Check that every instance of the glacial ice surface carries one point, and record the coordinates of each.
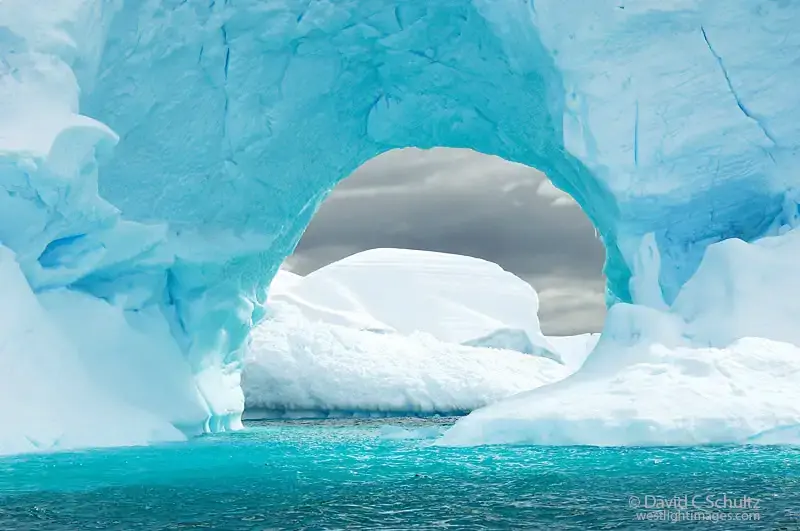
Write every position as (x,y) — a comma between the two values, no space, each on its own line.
(649,393)
(163,157)
(700,372)
(49,400)
(744,290)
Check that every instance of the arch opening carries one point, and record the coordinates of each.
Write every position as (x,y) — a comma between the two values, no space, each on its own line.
(414,284)
(466,203)
(236,154)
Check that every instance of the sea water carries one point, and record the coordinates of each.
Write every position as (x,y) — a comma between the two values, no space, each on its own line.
(389,474)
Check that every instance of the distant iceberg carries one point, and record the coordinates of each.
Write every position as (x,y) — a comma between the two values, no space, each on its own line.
(456,299)
(321,352)
(301,368)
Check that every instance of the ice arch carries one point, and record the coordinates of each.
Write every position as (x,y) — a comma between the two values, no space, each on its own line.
(674,125)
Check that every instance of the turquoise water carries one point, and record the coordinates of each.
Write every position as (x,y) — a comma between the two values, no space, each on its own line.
(364,475)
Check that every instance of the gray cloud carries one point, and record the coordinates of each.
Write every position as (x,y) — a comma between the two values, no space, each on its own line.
(462,202)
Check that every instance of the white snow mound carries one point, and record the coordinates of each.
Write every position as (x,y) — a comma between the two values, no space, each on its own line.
(296,367)
(454,298)
(644,385)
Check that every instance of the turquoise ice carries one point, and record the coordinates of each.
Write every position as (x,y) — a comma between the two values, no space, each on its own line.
(160,158)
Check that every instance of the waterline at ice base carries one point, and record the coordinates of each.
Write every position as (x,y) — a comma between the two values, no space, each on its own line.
(160,159)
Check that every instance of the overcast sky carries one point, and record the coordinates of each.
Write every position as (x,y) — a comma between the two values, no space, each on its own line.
(459,201)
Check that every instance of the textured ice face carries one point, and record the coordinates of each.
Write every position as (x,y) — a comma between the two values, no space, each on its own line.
(234,119)
(238,118)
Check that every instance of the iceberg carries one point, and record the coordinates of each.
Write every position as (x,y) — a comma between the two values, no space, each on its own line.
(700,372)
(298,368)
(573,350)
(282,282)
(160,159)
(653,392)
(744,290)
(382,333)
(456,299)
(50,401)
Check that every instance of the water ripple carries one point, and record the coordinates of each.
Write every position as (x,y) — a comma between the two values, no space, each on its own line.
(365,475)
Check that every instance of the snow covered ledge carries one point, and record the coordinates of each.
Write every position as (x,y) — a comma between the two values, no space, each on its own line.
(235,119)
(698,372)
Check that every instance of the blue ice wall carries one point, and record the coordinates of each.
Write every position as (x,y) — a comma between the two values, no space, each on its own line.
(235,118)
(661,120)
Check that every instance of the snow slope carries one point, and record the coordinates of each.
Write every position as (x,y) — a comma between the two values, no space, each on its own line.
(50,398)
(573,350)
(299,368)
(698,372)
(454,298)
(653,391)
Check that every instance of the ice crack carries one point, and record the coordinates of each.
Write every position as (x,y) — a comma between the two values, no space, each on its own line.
(739,103)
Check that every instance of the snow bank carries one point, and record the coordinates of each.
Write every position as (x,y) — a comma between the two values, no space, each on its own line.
(654,390)
(454,298)
(296,367)
(685,375)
